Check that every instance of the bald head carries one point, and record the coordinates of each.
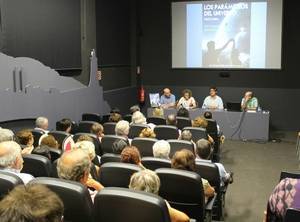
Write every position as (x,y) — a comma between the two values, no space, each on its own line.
(73,165)
(10,155)
(167,92)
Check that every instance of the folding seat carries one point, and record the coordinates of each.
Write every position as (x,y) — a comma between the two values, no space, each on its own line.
(60,136)
(75,197)
(107,142)
(128,118)
(55,154)
(109,128)
(144,145)
(37,165)
(96,141)
(153,163)
(136,129)
(156,120)
(36,136)
(285,174)
(177,145)
(91,117)
(183,122)
(110,157)
(292,215)
(164,132)
(105,118)
(197,133)
(7,182)
(85,126)
(117,174)
(184,192)
(119,205)
(212,130)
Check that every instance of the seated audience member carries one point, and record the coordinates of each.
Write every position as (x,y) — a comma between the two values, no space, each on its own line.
(41,123)
(208,115)
(134,108)
(167,100)
(131,154)
(115,110)
(122,129)
(6,135)
(171,120)
(118,146)
(42,150)
(34,203)
(203,153)
(285,195)
(75,166)
(186,135)
(115,117)
(161,149)
(89,148)
(84,137)
(213,101)
(98,130)
(65,125)
(187,100)
(147,133)
(49,141)
(202,123)
(25,139)
(138,118)
(158,112)
(11,160)
(183,112)
(148,181)
(249,102)
(185,160)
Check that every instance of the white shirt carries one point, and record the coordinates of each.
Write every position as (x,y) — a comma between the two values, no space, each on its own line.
(215,101)
(25,177)
(190,103)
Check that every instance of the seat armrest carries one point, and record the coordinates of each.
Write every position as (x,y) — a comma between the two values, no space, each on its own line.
(210,203)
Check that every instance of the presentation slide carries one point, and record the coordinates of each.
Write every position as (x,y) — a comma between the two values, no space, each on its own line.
(227,34)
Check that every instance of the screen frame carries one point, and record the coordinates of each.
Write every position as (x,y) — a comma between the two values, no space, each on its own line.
(226,69)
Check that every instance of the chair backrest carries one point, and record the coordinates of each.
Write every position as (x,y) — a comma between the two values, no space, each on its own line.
(128,118)
(60,136)
(109,128)
(153,163)
(156,120)
(144,145)
(164,132)
(110,157)
(107,142)
(36,136)
(75,196)
(119,205)
(177,145)
(91,117)
(96,141)
(136,129)
(37,165)
(183,190)
(85,126)
(197,133)
(55,154)
(183,122)
(292,215)
(285,174)
(117,174)
(7,182)
(211,128)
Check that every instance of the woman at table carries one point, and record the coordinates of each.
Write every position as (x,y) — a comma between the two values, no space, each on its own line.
(187,100)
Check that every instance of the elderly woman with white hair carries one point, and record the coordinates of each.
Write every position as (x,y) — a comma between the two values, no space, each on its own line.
(139,118)
(122,129)
(161,149)
(148,181)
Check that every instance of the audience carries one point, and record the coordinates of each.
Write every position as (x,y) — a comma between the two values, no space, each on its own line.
(183,112)
(202,123)
(161,149)
(6,135)
(167,100)
(42,124)
(203,152)
(171,120)
(187,100)
(84,137)
(50,141)
(122,129)
(148,181)
(186,135)
(147,133)
(185,160)
(42,150)
(134,108)
(208,115)
(115,117)
(65,125)
(115,110)
(138,118)
(33,203)
(25,139)
(158,112)
(118,146)
(131,154)
(98,130)
(285,195)
(11,160)
(75,166)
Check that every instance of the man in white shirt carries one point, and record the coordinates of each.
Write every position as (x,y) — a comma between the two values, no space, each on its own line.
(213,101)
(11,160)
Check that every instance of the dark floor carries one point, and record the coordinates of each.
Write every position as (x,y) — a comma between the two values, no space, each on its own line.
(256,168)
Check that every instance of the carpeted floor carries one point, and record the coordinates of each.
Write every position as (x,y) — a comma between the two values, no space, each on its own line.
(256,168)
